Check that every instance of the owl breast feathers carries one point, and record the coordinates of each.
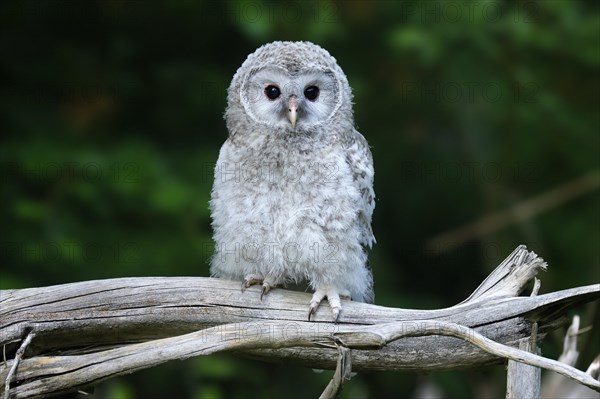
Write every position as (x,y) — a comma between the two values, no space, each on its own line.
(293,192)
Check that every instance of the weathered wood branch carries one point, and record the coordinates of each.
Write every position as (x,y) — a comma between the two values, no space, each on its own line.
(523,380)
(90,331)
(556,385)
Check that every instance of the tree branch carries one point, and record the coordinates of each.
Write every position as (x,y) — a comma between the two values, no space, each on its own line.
(125,325)
(15,363)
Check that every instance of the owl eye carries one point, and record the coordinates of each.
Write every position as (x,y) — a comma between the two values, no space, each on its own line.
(272,92)
(311,92)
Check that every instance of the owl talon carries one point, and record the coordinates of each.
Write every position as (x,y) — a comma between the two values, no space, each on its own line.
(336,314)
(333,298)
(266,287)
(312,310)
(251,280)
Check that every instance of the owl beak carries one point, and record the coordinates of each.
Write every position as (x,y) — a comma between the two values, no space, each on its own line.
(293,110)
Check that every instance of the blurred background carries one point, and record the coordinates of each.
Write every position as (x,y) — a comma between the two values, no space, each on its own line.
(483,119)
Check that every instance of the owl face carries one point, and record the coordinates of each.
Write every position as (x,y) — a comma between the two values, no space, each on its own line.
(301,99)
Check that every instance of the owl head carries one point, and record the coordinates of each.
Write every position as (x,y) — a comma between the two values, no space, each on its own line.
(289,87)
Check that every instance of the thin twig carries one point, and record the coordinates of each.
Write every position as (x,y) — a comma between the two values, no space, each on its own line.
(4,350)
(582,331)
(18,357)
(495,348)
(594,368)
(342,372)
(519,212)
(536,286)
(534,335)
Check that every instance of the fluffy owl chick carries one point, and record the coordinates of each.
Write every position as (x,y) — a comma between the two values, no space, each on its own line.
(293,192)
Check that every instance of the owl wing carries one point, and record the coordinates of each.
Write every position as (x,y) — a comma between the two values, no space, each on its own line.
(360,162)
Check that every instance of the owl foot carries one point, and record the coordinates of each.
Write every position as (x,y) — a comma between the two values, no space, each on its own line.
(266,287)
(333,297)
(252,279)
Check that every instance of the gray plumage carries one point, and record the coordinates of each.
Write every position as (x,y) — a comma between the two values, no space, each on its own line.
(293,192)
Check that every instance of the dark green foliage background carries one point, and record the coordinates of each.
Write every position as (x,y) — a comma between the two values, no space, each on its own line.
(112,122)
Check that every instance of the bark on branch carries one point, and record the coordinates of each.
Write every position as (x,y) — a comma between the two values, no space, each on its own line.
(90,331)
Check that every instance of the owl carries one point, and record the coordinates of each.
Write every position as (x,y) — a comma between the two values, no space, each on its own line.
(293,188)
